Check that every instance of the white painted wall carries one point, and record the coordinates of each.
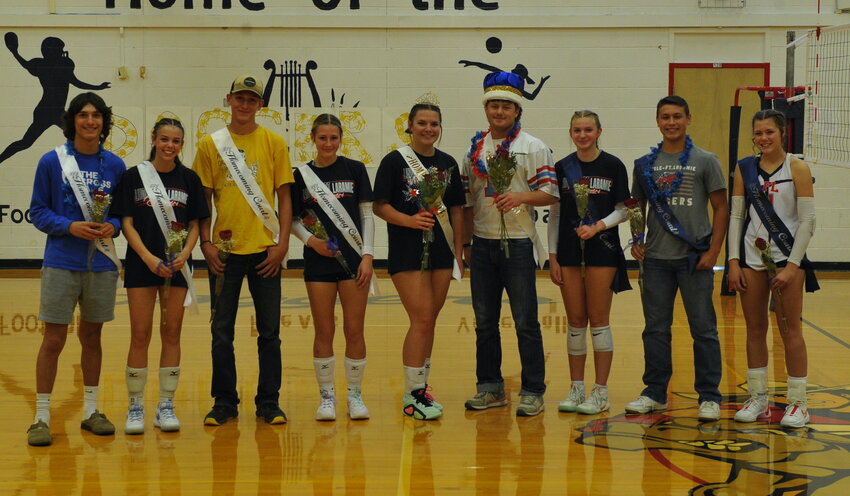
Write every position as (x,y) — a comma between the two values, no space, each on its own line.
(610,56)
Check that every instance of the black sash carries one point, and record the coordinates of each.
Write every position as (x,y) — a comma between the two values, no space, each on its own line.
(571,169)
(777,229)
(664,214)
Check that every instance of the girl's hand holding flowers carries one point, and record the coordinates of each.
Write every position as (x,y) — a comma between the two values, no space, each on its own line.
(423,220)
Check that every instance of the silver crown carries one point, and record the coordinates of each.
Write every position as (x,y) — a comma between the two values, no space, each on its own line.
(428,98)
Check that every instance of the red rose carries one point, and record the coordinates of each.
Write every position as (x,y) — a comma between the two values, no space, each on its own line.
(308,220)
(631,203)
(225,235)
(761,244)
(176,226)
(99,193)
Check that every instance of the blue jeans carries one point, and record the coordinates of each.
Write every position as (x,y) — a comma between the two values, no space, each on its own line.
(661,280)
(266,295)
(492,273)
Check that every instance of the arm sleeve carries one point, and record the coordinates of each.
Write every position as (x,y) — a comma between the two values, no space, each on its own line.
(736,225)
(368,224)
(553,227)
(806,213)
(617,216)
(300,231)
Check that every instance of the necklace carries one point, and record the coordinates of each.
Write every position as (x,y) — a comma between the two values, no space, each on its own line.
(97,182)
(649,171)
(474,155)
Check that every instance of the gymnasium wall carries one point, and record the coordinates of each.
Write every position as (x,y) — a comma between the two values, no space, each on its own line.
(368,60)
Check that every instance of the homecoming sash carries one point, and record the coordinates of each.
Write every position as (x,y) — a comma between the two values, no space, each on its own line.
(665,217)
(419,171)
(523,218)
(245,181)
(71,171)
(777,229)
(572,171)
(164,213)
(329,204)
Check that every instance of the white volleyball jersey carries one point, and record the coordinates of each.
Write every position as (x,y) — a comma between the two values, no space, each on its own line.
(780,190)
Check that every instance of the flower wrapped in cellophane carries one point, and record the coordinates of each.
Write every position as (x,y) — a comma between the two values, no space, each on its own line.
(177,235)
(314,225)
(225,246)
(431,189)
(636,225)
(100,205)
(501,168)
(581,193)
(770,267)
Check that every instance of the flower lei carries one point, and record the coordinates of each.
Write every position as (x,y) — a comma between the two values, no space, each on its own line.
(97,184)
(474,155)
(648,170)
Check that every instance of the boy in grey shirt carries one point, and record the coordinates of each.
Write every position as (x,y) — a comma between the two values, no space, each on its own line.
(676,181)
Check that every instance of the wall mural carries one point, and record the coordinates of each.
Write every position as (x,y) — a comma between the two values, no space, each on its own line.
(494,46)
(55,73)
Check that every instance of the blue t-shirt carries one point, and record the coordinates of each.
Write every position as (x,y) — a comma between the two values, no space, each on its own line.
(54,207)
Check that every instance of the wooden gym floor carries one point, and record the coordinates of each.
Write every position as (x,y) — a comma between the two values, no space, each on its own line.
(491,452)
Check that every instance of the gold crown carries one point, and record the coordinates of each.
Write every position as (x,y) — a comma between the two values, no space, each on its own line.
(428,99)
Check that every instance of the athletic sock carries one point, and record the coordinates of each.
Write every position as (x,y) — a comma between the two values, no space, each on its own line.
(354,369)
(136,380)
(324,368)
(168,379)
(89,400)
(414,378)
(42,408)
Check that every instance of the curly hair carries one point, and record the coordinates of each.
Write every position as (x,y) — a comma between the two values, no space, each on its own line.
(74,108)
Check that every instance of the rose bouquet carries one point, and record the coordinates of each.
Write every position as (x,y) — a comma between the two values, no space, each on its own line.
(501,168)
(177,235)
(636,226)
(225,246)
(581,192)
(314,225)
(431,189)
(770,267)
(100,205)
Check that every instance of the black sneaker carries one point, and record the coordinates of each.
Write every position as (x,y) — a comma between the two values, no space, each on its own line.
(271,413)
(220,414)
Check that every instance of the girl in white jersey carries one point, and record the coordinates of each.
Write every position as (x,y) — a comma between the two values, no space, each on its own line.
(786,183)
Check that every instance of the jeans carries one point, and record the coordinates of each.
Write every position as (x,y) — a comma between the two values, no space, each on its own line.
(661,280)
(266,295)
(492,273)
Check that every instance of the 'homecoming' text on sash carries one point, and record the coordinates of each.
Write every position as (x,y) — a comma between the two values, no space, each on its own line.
(245,181)
(164,212)
(419,170)
(71,171)
(332,207)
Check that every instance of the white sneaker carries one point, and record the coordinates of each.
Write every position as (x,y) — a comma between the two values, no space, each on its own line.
(573,400)
(356,408)
(595,403)
(757,407)
(644,404)
(135,419)
(327,409)
(796,415)
(165,418)
(709,411)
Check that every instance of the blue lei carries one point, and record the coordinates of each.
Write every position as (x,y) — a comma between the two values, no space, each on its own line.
(474,154)
(649,171)
(70,199)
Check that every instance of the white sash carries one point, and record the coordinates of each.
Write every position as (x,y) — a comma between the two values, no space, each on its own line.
(245,181)
(164,212)
(329,204)
(71,170)
(523,219)
(442,212)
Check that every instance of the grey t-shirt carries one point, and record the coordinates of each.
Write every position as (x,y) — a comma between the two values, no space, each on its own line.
(689,203)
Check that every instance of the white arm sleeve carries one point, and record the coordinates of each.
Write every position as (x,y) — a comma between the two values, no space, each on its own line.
(368,225)
(553,226)
(806,214)
(618,216)
(736,225)
(301,232)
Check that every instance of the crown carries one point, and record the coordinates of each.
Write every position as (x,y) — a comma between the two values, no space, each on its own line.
(428,99)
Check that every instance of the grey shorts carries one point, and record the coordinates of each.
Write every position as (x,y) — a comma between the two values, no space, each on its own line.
(62,289)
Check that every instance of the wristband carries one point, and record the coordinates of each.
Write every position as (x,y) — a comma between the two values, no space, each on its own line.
(205,241)
(467,245)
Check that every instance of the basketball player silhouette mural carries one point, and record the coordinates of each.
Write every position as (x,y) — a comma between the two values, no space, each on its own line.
(55,73)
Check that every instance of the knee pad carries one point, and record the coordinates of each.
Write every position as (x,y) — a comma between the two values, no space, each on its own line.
(602,338)
(576,341)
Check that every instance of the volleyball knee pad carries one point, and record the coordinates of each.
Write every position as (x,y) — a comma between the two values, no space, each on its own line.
(577,341)
(602,338)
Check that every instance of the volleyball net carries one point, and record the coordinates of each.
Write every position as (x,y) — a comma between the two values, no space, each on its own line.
(827,95)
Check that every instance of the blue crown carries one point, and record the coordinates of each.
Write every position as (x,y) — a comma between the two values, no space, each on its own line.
(503,79)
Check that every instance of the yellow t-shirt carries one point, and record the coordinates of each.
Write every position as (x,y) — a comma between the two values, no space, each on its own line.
(267,157)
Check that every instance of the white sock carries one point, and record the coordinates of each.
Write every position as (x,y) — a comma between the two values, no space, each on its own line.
(414,378)
(89,400)
(797,389)
(427,369)
(168,379)
(42,408)
(354,370)
(757,380)
(603,390)
(324,368)
(136,380)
